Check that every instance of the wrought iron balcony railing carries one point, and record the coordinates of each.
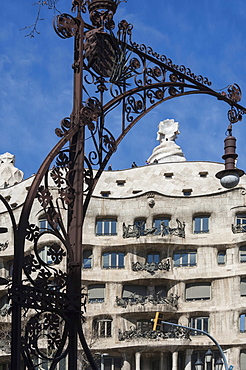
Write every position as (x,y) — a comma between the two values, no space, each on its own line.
(133,334)
(151,267)
(240,228)
(135,299)
(5,310)
(137,230)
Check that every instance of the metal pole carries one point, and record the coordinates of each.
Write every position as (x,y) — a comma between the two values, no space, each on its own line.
(75,227)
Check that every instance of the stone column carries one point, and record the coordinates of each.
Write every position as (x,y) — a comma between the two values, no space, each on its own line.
(126,363)
(137,360)
(188,359)
(162,361)
(175,356)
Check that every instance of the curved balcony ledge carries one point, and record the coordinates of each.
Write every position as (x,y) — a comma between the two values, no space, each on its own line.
(135,231)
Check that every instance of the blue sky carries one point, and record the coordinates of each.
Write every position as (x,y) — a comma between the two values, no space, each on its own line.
(36,77)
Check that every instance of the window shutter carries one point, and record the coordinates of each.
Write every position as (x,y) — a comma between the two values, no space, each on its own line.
(243,287)
(106,260)
(198,291)
(243,360)
(96,291)
(129,290)
(161,291)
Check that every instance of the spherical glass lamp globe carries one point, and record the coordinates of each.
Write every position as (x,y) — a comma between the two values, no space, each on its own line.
(229,178)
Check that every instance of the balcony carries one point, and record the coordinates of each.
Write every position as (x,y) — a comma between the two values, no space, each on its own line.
(151,267)
(137,230)
(135,299)
(239,228)
(134,334)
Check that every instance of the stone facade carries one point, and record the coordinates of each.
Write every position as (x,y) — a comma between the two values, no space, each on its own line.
(159,238)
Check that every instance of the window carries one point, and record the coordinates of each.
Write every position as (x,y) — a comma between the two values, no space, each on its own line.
(243,287)
(105,194)
(184,258)
(144,325)
(221,257)
(161,291)
(187,192)
(87,259)
(111,363)
(203,174)
(242,322)
(113,260)
(44,255)
(241,222)
(140,224)
(134,292)
(242,253)
(106,226)
(96,293)
(196,291)
(120,182)
(168,175)
(243,360)
(10,268)
(102,328)
(5,366)
(162,225)
(200,323)
(42,364)
(44,224)
(155,364)
(153,258)
(201,224)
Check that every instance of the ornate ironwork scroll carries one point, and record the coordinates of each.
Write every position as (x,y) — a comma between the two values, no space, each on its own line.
(4,246)
(134,334)
(151,267)
(137,230)
(240,228)
(135,299)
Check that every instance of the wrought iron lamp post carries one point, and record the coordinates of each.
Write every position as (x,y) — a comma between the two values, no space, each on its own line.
(110,72)
(208,359)
(199,365)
